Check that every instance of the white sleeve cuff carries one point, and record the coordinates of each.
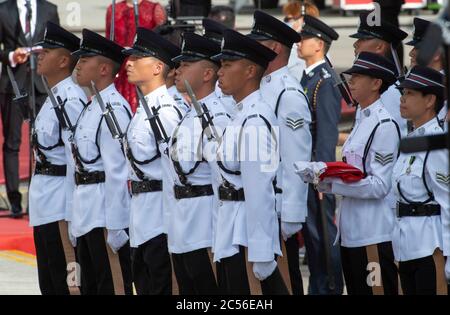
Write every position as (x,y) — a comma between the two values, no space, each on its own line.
(12,64)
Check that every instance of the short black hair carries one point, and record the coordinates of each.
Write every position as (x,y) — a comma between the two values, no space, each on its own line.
(440,100)
(384,87)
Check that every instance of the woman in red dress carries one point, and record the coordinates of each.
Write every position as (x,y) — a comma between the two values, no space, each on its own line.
(151,14)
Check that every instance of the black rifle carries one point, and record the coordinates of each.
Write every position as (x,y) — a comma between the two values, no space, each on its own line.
(153,119)
(58,105)
(108,114)
(203,114)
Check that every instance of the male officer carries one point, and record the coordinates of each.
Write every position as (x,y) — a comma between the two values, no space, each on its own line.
(383,40)
(101,199)
(436,63)
(191,224)
(148,65)
(290,105)
(247,226)
(52,185)
(214,31)
(325,102)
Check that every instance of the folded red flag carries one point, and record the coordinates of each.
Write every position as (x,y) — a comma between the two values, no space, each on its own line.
(348,173)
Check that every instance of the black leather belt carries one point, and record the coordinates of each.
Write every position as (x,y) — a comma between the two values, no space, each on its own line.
(87,178)
(189,191)
(50,169)
(145,186)
(231,194)
(411,210)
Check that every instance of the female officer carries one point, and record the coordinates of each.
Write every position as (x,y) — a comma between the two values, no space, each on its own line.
(421,235)
(365,219)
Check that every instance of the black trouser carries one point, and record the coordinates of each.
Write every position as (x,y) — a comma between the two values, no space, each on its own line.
(232,274)
(102,271)
(152,270)
(424,276)
(292,251)
(382,270)
(55,256)
(315,245)
(194,273)
(233,278)
(12,119)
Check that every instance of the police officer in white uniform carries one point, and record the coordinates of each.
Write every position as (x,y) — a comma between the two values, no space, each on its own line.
(379,39)
(365,219)
(213,30)
(436,62)
(421,180)
(52,184)
(147,67)
(191,222)
(101,199)
(290,105)
(247,226)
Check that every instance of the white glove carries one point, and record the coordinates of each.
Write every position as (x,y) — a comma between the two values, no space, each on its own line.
(290,228)
(72,238)
(263,270)
(116,239)
(309,172)
(324,187)
(447,269)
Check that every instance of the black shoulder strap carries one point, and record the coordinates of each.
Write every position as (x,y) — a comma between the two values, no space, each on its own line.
(429,192)
(370,140)
(290,89)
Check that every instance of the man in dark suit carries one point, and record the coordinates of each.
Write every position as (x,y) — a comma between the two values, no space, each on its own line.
(15,35)
(323,258)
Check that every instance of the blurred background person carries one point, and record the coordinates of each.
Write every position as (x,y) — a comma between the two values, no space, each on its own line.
(294,11)
(151,14)
(224,15)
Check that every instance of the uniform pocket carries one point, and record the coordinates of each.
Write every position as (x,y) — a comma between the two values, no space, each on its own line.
(86,143)
(354,155)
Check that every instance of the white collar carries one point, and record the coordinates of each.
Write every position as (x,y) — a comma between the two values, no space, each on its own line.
(152,97)
(313,66)
(369,110)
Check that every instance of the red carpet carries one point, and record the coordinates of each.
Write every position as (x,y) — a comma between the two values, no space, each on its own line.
(23,155)
(16,235)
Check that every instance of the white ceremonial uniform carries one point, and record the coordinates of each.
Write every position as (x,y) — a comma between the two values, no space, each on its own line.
(50,197)
(180,102)
(418,237)
(391,102)
(227,101)
(104,205)
(251,223)
(146,209)
(365,216)
(290,105)
(191,222)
